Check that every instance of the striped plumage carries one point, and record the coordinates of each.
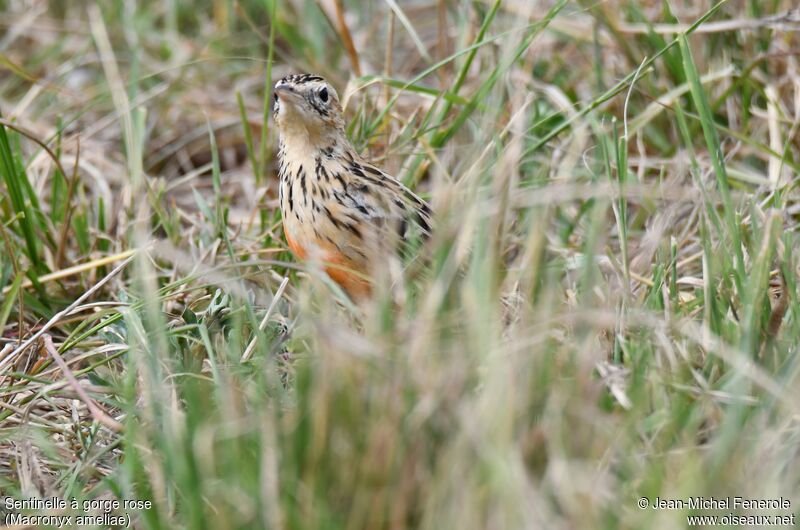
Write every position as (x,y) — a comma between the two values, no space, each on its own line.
(336,208)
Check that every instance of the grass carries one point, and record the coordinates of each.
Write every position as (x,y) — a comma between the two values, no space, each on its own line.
(607,310)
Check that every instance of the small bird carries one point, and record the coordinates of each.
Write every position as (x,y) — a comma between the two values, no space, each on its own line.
(337,209)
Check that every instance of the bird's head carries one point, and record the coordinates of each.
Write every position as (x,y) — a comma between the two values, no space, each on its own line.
(305,104)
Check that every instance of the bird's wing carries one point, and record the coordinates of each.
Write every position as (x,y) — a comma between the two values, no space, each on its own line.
(365,213)
(407,206)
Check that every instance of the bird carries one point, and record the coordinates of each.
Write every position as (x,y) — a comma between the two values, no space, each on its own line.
(337,209)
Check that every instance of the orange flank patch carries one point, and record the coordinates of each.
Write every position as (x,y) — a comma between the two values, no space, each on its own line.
(341,270)
(297,250)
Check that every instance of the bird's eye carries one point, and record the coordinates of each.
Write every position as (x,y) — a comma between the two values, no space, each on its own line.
(323,95)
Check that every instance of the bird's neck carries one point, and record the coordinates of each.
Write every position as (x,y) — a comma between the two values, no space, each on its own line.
(300,145)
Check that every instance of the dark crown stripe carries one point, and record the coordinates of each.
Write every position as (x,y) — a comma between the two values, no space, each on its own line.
(299,79)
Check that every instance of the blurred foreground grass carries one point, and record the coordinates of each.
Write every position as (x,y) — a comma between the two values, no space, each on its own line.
(608,309)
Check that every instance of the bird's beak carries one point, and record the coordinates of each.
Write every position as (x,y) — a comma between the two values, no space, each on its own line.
(285,92)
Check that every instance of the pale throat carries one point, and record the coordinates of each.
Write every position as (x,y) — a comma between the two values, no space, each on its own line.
(301,144)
